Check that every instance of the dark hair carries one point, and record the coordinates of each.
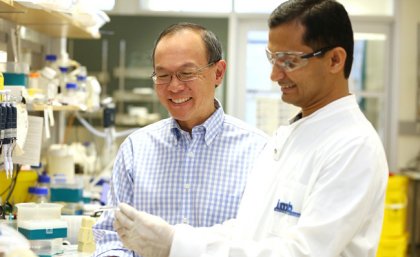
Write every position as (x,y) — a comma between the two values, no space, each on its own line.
(326,23)
(212,44)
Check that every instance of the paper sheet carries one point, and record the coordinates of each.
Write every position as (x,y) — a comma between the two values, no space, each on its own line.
(32,146)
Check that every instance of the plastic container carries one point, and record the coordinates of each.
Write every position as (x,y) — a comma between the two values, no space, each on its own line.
(43,229)
(38,194)
(49,247)
(71,96)
(392,246)
(24,180)
(51,61)
(38,211)
(34,80)
(15,73)
(395,214)
(60,160)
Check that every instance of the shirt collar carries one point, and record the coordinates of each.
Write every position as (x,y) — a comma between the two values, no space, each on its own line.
(211,127)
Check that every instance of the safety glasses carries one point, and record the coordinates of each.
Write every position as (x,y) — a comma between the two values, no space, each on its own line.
(290,61)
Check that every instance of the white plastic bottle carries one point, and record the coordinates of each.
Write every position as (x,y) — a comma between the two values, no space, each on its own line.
(82,86)
(51,61)
(48,82)
(70,95)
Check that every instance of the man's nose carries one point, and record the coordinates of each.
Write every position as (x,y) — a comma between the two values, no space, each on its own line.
(175,84)
(277,73)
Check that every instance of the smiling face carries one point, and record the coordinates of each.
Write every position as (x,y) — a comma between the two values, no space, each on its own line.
(317,83)
(192,102)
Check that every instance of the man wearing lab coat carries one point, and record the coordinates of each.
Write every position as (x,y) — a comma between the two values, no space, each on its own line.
(318,189)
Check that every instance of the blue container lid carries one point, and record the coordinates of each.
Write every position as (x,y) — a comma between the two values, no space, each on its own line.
(63,69)
(81,78)
(51,57)
(44,178)
(71,85)
(38,190)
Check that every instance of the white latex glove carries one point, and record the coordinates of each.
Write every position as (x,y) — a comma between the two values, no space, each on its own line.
(147,235)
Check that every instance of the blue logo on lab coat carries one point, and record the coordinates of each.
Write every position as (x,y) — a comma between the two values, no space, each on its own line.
(286,208)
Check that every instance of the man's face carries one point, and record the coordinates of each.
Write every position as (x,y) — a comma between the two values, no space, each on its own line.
(308,86)
(192,102)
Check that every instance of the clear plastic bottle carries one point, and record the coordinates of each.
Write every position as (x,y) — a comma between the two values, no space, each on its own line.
(38,194)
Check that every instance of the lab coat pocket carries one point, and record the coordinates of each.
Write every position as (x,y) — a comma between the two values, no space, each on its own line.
(287,206)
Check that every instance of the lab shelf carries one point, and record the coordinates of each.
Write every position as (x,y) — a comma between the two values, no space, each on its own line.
(134,73)
(133,96)
(42,107)
(52,23)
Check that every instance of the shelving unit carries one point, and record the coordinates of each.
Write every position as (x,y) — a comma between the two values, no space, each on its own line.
(148,97)
(42,107)
(51,23)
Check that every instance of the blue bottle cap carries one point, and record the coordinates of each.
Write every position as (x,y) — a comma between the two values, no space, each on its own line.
(44,178)
(64,69)
(51,57)
(38,190)
(81,78)
(71,85)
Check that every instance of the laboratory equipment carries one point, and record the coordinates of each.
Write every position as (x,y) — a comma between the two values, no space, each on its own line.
(38,194)
(42,225)
(86,241)
(60,160)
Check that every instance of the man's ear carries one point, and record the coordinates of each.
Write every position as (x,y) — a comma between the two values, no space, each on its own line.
(220,70)
(337,59)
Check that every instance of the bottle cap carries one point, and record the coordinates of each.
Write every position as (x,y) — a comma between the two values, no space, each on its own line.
(38,190)
(81,78)
(71,85)
(51,57)
(44,178)
(63,69)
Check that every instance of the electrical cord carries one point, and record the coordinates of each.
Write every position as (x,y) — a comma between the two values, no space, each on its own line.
(13,183)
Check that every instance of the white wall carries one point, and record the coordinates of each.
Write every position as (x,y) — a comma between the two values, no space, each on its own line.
(408,18)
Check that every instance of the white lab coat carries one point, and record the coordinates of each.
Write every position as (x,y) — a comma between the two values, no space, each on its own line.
(318,190)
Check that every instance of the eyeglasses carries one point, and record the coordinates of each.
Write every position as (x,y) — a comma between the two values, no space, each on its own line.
(290,61)
(186,75)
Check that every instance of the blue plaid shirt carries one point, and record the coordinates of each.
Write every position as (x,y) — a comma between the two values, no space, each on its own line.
(196,179)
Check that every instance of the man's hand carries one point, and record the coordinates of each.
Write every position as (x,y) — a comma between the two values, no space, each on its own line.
(147,235)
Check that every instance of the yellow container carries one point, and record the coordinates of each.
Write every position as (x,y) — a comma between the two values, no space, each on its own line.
(395,215)
(392,246)
(25,179)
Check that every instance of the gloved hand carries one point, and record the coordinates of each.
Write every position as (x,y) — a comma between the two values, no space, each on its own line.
(147,235)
